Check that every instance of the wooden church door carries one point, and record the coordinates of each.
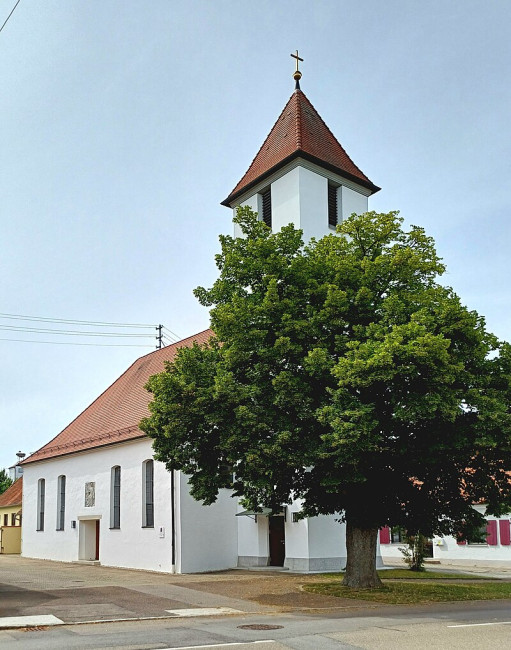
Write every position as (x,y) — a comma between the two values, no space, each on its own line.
(277,541)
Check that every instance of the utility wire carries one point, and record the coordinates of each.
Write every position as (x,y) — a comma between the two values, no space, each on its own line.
(72,321)
(12,328)
(97,345)
(5,23)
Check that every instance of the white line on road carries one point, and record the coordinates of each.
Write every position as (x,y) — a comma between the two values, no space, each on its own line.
(204,611)
(219,645)
(481,624)
(29,621)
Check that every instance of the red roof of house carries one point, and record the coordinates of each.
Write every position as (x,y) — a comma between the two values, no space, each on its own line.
(114,416)
(299,132)
(12,496)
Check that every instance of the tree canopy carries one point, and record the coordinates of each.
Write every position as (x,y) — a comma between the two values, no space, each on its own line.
(5,481)
(344,374)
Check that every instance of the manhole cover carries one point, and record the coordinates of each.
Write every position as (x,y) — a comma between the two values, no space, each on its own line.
(260,627)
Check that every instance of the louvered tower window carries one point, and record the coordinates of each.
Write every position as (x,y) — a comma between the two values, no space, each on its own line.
(266,203)
(332,205)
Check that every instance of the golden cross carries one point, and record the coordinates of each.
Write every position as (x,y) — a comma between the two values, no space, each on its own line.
(295,56)
(297,74)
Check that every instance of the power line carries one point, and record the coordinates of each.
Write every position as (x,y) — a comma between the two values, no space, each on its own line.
(97,345)
(40,330)
(72,321)
(5,23)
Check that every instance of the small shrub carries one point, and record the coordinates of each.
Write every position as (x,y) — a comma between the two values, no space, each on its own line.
(416,551)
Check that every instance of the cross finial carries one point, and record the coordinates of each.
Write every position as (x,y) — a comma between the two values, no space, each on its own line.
(297,74)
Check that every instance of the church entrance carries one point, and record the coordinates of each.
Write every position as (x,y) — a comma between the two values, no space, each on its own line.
(88,545)
(277,540)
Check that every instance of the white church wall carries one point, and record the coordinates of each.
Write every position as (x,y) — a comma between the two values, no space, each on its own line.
(254,202)
(352,201)
(313,204)
(208,535)
(285,200)
(297,539)
(327,544)
(253,540)
(129,546)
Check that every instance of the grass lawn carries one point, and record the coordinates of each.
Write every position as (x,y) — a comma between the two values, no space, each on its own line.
(406,574)
(425,587)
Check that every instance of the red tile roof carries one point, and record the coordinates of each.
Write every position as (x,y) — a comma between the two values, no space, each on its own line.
(12,496)
(114,416)
(299,132)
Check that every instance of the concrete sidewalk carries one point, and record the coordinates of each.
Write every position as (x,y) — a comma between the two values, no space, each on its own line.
(77,593)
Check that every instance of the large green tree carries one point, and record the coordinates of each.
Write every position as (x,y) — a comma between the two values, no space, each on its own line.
(344,374)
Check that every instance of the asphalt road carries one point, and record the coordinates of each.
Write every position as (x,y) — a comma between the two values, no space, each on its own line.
(106,608)
(480,625)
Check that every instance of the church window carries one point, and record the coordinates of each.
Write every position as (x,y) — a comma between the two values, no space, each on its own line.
(13,519)
(332,205)
(266,206)
(115,497)
(6,519)
(61,502)
(40,503)
(148,494)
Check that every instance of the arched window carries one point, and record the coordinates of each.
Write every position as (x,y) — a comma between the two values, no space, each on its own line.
(148,494)
(40,503)
(61,502)
(115,497)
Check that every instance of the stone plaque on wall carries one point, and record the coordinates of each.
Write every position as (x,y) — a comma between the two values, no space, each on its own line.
(90,494)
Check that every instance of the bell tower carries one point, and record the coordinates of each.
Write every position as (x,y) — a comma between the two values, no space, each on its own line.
(301,174)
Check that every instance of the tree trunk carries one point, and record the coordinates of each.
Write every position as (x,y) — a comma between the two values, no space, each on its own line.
(361,558)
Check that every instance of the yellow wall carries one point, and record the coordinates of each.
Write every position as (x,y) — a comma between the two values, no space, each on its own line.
(10,536)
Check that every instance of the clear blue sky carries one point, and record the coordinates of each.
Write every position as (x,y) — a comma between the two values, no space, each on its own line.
(125,123)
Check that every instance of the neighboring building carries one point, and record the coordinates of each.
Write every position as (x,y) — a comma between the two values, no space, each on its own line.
(10,518)
(95,494)
(493,544)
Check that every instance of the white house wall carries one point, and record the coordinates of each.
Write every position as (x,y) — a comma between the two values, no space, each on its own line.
(447,548)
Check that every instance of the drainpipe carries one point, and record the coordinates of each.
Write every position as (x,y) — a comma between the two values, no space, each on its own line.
(173,522)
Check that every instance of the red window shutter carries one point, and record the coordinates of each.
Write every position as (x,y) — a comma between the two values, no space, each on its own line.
(385,535)
(491,532)
(505,536)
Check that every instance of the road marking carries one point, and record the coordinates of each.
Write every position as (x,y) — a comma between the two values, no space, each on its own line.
(29,621)
(481,624)
(219,645)
(204,611)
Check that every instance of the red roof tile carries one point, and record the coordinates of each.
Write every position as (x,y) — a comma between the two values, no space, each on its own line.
(12,496)
(114,416)
(299,132)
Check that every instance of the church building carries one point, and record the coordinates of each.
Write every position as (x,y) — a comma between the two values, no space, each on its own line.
(94,492)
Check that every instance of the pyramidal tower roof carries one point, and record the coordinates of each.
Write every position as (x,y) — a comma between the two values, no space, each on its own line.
(299,132)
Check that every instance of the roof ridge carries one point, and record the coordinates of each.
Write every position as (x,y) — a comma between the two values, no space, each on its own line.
(298,120)
(333,136)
